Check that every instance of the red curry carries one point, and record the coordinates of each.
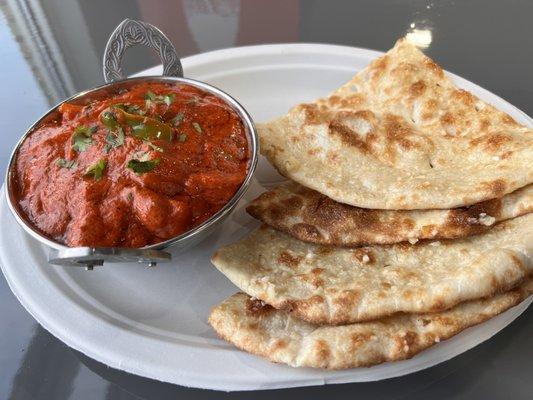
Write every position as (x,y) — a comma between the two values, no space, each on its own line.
(134,169)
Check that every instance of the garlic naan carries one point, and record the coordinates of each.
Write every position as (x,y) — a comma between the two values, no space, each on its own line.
(312,217)
(276,335)
(401,135)
(326,285)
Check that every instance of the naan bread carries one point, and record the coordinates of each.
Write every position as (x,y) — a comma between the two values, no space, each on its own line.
(312,217)
(276,335)
(400,135)
(326,285)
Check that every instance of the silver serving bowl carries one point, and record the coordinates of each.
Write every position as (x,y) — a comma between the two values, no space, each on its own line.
(127,34)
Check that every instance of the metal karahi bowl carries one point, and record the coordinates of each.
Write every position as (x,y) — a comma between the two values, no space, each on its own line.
(127,34)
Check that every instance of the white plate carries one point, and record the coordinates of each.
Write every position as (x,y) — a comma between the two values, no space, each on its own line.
(152,322)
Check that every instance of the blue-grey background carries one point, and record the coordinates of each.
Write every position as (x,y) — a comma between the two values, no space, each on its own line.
(50,49)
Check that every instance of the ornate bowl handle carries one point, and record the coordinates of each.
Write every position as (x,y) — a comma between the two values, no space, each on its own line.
(130,33)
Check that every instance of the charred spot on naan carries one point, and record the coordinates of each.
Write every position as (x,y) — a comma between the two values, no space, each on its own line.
(379,66)
(494,189)
(438,304)
(429,109)
(342,305)
(405,344)
(507,119)
(398,131)
(257,307)
(450,124)
(321,353)
(516,260)
(464,97)
(484,124)
(278,345)
(444,320)
(339,220)
(471,220)
(313,114)
(356,101)
(274,213)
(370,76)
(323,211)
(306,232)
(289,206)
(302,307)
(324,250)
(403,72)
(492,142)
(313,277)
(289,259)
(433,67)
(354,128)
(358,340)
(417,89)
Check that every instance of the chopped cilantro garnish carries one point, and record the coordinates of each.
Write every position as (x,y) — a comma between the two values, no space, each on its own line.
(82,137)
(64,163)
(96,170)
(177,119)
(114,140)
(151,97)
(109,120)
(182,137)
(140,167)
(169,99)
(130,108)
(197,127)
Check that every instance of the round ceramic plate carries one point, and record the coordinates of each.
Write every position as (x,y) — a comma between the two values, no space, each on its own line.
(153,322)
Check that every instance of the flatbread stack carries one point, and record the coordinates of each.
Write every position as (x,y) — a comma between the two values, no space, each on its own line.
(407,219)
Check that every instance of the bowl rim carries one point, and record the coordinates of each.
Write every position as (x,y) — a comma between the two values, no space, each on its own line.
(251,136)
